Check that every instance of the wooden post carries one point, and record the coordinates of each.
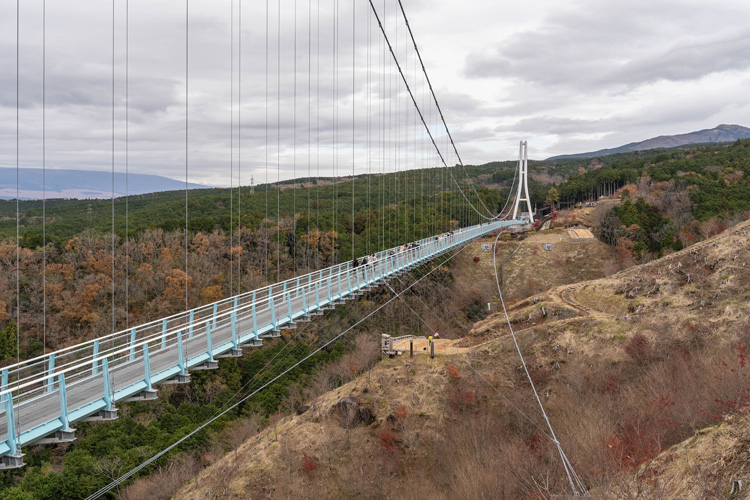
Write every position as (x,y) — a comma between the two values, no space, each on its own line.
(432,349)
(411,348)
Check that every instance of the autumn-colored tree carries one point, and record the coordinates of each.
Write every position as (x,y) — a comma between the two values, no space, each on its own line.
(174,292)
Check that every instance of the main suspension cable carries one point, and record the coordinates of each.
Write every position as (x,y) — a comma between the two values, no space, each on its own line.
(434,97)
(419,111)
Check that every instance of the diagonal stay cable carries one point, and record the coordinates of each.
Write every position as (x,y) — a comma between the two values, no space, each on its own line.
(577,485)
(511,403)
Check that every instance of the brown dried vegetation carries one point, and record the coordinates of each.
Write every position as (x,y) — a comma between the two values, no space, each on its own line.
(633,385)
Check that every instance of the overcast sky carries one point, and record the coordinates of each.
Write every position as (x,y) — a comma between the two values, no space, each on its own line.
(568,77)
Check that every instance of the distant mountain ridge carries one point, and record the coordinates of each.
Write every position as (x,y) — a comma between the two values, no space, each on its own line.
(721,133)
(81,184)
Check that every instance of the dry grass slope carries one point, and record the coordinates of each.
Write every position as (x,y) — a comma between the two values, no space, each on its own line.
(643,373)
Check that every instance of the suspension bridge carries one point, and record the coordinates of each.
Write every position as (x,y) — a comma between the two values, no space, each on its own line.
(402,128)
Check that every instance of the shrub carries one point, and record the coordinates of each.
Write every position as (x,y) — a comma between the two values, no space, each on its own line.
(400,412)
(638,348)
(308,463)
(387,438)
(476,259)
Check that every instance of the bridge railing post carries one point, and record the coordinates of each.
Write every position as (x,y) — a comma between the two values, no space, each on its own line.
(132,344)
(180,354)
(273,313)
(10,425)
(63,402)
(50,371)
(107,389)
(164,334)
(146,368)
(234,329)
(209,342)
(4,384)
(255,321)
(95,363)
(192,320)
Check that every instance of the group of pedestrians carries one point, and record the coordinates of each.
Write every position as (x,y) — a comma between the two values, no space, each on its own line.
(371,259)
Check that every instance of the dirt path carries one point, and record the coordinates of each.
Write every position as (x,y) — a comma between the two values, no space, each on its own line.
(569,295)
(422,346)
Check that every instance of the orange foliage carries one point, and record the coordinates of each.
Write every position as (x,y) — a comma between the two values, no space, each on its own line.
(201,244)
(63,270)
(210,294)
(174,292)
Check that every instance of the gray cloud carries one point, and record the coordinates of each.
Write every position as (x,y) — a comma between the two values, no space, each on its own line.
(586,74)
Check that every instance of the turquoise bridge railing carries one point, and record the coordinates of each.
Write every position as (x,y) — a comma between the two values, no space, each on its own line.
(42,397)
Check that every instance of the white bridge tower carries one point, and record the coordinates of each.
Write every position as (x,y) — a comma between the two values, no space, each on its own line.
(523,184)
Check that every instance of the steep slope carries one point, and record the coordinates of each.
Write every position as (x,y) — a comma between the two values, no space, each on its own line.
(627,366)
(721,133)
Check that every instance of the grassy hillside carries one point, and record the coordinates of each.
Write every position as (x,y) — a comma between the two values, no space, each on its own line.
(627,366)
